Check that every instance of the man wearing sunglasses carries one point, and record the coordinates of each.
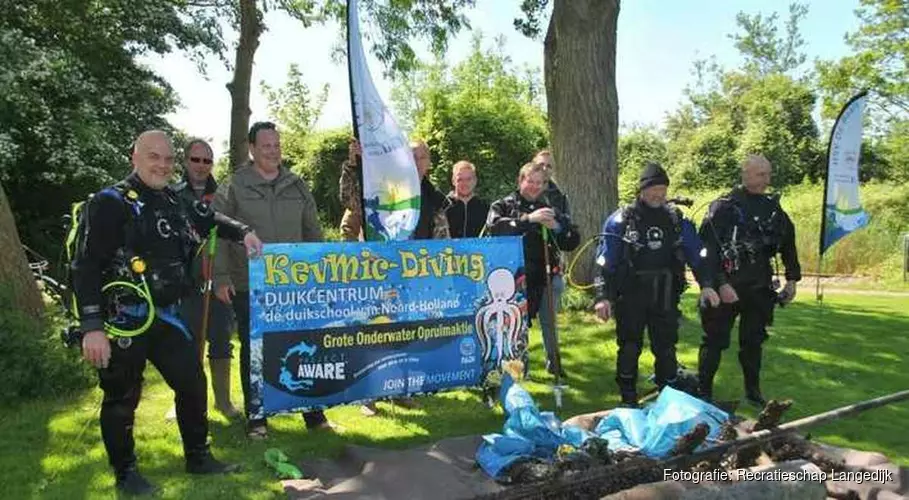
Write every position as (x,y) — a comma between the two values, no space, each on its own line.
(199,185)
(199,164)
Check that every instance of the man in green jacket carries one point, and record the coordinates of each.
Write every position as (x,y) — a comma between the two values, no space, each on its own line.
(278,205)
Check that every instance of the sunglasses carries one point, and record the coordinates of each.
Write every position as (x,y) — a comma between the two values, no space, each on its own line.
(196,159)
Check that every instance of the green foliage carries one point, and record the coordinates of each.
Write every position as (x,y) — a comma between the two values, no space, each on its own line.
(483,110)
(73,97)
(36,363)
(879,63)
(703,157)
(637,147)
(389,26)
(893,150)
(399,21)
(331,232)
(221,170)
(759,108)
(531,24)
(320,165)
(295,109)
(574,299)
(764,50)
(765,107)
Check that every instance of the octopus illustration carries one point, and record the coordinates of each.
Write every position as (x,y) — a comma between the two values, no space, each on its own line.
(499,321)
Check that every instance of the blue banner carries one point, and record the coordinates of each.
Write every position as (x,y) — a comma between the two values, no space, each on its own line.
(338,323)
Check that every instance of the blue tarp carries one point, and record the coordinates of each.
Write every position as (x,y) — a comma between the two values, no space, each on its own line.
(653,430)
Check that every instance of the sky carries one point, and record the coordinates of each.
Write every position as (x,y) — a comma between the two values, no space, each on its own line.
(658,42)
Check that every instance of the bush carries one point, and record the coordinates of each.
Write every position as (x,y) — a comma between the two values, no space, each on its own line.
(36,363)
(331,233)
(483,110)
(321,167)
(872,251)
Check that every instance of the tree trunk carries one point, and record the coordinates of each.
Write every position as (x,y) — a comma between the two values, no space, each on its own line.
(583,106)
(14,271)
(239,87)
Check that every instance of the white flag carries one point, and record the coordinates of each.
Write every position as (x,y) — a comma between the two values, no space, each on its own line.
(843,212)
(391,184)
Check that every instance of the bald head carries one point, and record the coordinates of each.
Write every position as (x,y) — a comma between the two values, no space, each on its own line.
(153,158)
(756,173)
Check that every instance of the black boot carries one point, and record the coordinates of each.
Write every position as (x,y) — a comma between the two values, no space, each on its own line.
(130,482)
(708,364)
(317,420)
(203,462)
(705,387)
(629,400)
(755,398)
(751,372)
(628,390)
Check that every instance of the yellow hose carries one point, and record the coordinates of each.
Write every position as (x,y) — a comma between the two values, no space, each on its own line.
(574,261)
(143,293)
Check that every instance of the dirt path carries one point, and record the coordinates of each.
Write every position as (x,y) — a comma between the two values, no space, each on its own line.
(840,285)
(853,291)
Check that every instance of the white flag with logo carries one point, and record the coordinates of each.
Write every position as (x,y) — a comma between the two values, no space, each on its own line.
(843,211)
(391,184)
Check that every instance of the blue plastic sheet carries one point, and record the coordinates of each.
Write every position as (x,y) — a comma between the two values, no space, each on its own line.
(654,430)
(529,433)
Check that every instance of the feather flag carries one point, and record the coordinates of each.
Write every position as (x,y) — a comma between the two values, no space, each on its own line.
(843,212)
(390,183)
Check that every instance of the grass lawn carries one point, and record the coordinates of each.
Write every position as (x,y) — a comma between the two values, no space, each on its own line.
(854,348)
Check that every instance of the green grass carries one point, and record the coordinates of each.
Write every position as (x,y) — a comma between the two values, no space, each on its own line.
(852,349)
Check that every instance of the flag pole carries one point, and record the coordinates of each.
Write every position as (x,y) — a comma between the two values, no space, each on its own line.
(822,237)
(358,168)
